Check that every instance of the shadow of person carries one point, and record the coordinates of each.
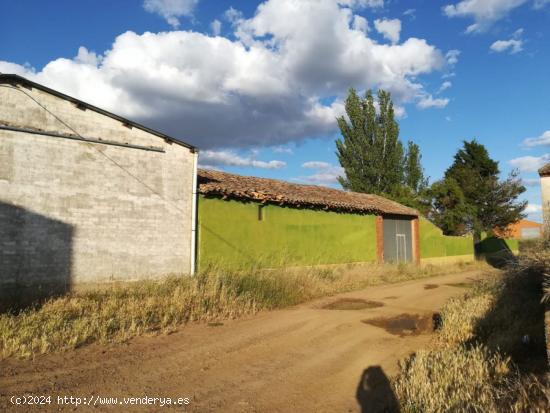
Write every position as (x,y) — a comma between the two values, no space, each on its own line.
(374,393)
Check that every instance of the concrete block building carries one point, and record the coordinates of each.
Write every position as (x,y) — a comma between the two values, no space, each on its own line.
(87,196)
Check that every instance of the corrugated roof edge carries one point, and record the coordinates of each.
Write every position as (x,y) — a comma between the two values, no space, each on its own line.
(16,79)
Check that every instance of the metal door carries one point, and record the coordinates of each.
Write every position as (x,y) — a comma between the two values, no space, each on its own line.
(401,247)
(397,240)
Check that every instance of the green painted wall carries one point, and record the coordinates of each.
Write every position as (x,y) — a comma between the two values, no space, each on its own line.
(490,245)
(232,236)
(434,244)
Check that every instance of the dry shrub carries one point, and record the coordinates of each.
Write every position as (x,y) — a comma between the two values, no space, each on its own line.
(460,379)
(118,313)
(452,380)
(460,316)
(490,341)
(530,393)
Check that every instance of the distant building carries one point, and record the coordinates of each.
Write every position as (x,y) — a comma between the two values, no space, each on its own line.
(523,229)
(544,174)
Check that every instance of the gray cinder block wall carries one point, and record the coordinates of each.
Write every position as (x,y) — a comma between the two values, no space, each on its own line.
(74,212)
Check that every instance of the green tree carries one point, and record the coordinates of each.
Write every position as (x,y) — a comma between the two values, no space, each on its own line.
(372,154)
(447,207)
(489,202)
(414,172)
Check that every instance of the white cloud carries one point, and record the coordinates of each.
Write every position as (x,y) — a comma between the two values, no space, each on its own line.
(14,68)
(230,158)
(282,149)
(533,209)
(233,15)
(452,57)
(429,101)
(542,140)
(411,13)
(171,10)
(362,3)
(263,86)
(512,45)
(360,23)
(87,58)
(484,12)
(390,29)
(216,27)
(444,86)
(326,174)
(518,33)
(530,163)
(399,111)
(316,165)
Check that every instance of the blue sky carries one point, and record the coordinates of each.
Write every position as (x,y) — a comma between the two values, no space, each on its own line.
(257,85)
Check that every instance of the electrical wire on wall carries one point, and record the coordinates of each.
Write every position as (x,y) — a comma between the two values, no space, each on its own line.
(137,179)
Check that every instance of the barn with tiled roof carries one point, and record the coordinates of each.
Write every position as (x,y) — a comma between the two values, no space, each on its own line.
(248,220)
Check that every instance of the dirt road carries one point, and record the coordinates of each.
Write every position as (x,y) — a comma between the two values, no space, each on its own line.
(309,358)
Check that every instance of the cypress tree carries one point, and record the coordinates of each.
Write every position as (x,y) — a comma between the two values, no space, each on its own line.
(473,181)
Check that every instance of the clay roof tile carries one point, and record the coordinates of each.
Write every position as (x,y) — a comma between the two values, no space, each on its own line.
(285,193)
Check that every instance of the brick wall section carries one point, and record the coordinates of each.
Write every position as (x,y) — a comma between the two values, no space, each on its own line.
(416,240)
(82,212)
(380,239)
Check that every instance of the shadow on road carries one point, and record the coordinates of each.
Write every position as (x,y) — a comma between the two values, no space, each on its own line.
(374,392)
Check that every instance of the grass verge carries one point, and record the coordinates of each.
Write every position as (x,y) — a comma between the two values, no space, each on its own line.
(489,354)
(119,313)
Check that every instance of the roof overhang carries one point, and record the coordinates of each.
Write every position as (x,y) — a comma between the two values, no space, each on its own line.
(14,80)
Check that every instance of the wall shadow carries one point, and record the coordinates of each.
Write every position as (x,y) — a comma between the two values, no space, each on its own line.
(374,392)
(35,257)
(495,251)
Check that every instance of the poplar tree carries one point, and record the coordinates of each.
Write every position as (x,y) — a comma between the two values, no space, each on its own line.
(414,173)
(372,154)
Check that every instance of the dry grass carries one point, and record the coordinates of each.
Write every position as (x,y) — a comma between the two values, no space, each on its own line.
(486,354)
(121,312)
(461,315)
(460,380)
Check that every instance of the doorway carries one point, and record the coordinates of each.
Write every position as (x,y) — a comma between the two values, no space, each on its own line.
(397,240)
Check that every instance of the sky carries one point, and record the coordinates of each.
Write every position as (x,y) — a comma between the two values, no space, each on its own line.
(257,85)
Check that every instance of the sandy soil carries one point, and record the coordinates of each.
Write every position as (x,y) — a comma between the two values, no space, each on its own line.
(310,358)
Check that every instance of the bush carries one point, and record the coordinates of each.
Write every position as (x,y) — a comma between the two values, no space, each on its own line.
(490,345)
(452,380)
